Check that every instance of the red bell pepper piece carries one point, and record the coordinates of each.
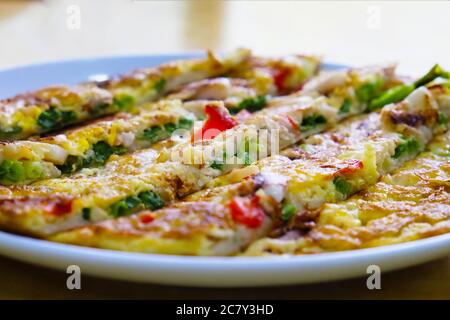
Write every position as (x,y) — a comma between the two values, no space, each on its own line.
(218,120)
(247,211)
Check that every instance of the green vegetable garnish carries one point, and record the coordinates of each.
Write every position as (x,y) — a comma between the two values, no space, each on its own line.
(151,200)
(73,163)
(154,134)
(145,199)
(217,165)
(345,107)
(369,90)
(170,128)
(124,102)
(342,186)
(184,123)
(101,151)
(313,121)
(442,118)
(160,85)
(250,104)
(98,108)
(158,133)
(390,96)
(53,118)
(288,211)
(400,92)
(33,170)
(408,147)
(86,214)
(12,171)
(48,119)
(435,72)
(10,132)
(125,207)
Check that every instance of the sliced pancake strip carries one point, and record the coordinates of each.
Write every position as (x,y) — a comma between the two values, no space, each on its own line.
(52,108)
(349,91)
(127,184)
(223,220)
(200,227)
(411,203)
(143,85)
(56,107)
(22,162)
(251,87)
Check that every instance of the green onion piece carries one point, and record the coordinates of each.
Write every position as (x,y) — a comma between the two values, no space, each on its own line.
(442,118)
(4,168)
(313,121)
(408,147)
(10,132)
(217,165)
(342,186)
(86,214)
(345,107)
(250,104)
(391,96)
(145,199)
(158,133)
(49,118)
(400,92)
(68,117)
(124,207)
(73,163)
(102,152)
(53,118)
(119,209)
(16,172)
(369,90)
(160,85)
(124,102)
(33,170)
(100,107)
(288,211)
(184,123)
(151,200)
(154,134)
(119,150)
(170,128)
(435,72)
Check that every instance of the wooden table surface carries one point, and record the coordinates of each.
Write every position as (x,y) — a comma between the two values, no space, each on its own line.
(413,33)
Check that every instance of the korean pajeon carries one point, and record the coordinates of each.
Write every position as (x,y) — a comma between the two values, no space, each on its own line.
(233,154)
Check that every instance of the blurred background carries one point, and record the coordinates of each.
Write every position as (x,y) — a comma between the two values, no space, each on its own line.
(414,33)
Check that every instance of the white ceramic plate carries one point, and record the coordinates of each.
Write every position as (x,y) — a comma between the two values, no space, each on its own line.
(190,271)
